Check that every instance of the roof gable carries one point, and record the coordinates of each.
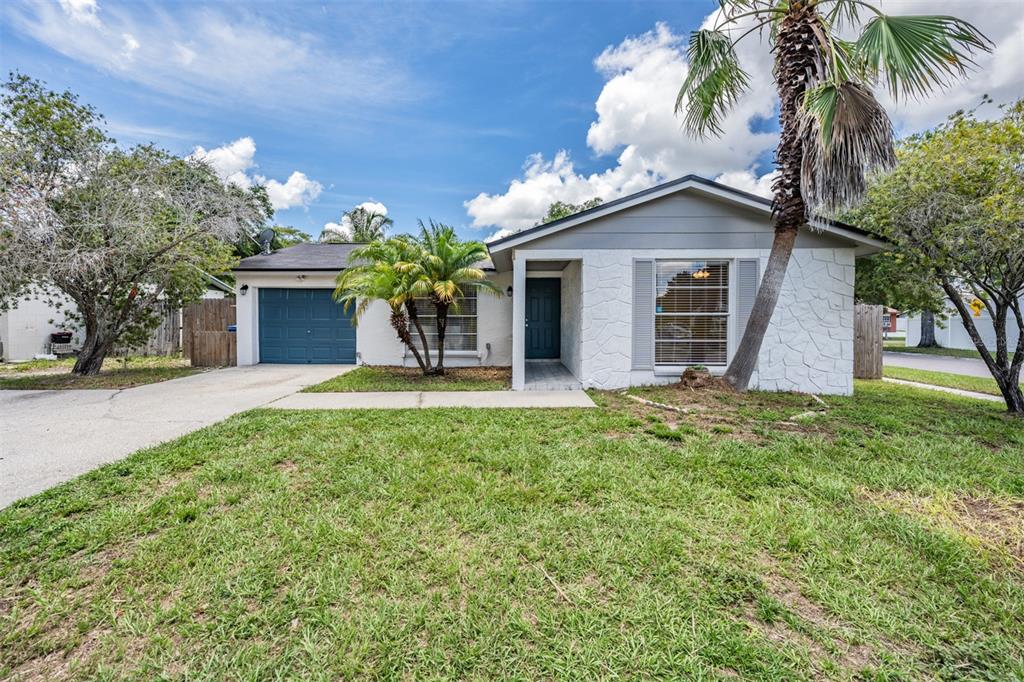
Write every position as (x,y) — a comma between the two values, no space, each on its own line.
(736,199)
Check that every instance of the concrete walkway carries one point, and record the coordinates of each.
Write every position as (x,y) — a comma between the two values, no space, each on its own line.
(945,389)
(970,367)
(48,437)
(416,399)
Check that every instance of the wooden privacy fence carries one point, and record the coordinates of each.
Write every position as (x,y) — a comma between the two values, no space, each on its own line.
(204,333)
(867,341)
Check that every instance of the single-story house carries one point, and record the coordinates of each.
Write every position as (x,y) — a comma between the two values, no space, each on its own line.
(628,293)
(950,331)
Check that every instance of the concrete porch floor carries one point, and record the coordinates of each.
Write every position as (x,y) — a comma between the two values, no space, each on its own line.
(550,375)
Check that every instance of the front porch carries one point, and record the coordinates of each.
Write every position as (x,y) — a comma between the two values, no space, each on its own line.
(550,375)
(546,321)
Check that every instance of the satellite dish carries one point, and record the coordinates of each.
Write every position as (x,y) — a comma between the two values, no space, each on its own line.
(265,239)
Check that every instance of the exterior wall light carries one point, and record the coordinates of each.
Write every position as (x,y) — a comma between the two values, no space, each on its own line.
(509,290)
(244,289)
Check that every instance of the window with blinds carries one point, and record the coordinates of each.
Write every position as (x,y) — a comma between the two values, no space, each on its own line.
(462,322)
(691,313)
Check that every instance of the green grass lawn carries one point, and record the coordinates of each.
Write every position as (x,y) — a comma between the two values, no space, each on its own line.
(897,345)
(411,379)
(116,373)
(924,376)
(882,536)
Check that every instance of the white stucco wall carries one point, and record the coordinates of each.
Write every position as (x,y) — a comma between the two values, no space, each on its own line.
(376,343)
(25,330)
(808,346)
(572,317)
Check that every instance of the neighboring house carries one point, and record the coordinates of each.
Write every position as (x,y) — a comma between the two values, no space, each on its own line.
(25,330)
(951,333)
(894,322)
(627,293)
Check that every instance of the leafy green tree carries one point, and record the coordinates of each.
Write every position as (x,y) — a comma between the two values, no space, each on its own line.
(954,207)
(892,280)
(562,209)
(832,128)
(121,232)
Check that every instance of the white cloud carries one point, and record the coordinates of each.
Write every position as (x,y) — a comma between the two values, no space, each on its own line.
(129,45)
(82,11)
(634,114)
(748,181)
(213,53)
(235,161)
(634,118)
(298,190)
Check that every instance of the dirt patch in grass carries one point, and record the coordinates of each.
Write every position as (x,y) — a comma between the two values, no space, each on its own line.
(676,411)
(995,524)
(805,624)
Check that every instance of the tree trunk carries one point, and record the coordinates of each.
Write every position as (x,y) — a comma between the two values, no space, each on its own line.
(743,363)
(400,323)
(1007,376)
(442,328)
(410,306)
(927,330)
(94,349)
(796,54)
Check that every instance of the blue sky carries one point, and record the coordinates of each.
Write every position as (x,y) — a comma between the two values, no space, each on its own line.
(476,114)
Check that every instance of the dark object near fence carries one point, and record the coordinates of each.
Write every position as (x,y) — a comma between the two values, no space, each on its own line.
(60,337)
(204,333)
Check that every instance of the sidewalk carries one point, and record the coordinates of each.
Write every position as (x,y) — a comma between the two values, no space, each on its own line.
(945,389)
(388,400)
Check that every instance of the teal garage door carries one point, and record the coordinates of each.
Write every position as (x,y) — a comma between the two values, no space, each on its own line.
(305,326)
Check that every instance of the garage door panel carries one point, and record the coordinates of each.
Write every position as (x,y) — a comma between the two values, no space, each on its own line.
(304,326)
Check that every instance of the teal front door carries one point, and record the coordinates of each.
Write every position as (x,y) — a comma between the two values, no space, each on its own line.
(543,317)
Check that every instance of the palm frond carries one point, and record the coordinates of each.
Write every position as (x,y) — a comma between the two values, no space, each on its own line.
(914,54)
(715,81)
(845,133)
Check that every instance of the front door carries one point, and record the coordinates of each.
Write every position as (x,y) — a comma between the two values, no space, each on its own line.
(543,317)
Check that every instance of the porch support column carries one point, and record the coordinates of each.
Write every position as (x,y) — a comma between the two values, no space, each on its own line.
(518,322)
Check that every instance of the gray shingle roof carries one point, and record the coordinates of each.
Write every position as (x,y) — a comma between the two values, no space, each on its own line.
(311,256)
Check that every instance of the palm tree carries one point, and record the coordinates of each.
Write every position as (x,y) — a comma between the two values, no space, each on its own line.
(364,225)
(375,275)
(445,266)
(833,130)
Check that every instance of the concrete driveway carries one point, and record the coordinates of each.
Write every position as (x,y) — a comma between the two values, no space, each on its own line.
(937,363)
(48,437)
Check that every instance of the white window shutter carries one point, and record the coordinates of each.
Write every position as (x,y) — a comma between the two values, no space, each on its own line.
(747,280)
(643,314)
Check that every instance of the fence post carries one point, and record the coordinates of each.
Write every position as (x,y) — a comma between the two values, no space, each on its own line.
(867,341)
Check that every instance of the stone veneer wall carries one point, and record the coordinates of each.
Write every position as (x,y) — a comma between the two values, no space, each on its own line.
(809,343)
(808,346)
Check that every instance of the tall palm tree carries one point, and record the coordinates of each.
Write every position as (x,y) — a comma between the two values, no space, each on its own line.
(365,226)
(833,130)
(374,274)
(445,267)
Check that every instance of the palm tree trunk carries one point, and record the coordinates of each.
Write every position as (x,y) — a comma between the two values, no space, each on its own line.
(927,330)
(795,64)
(410,306)
(400,323)
(745,360)
(442,328)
